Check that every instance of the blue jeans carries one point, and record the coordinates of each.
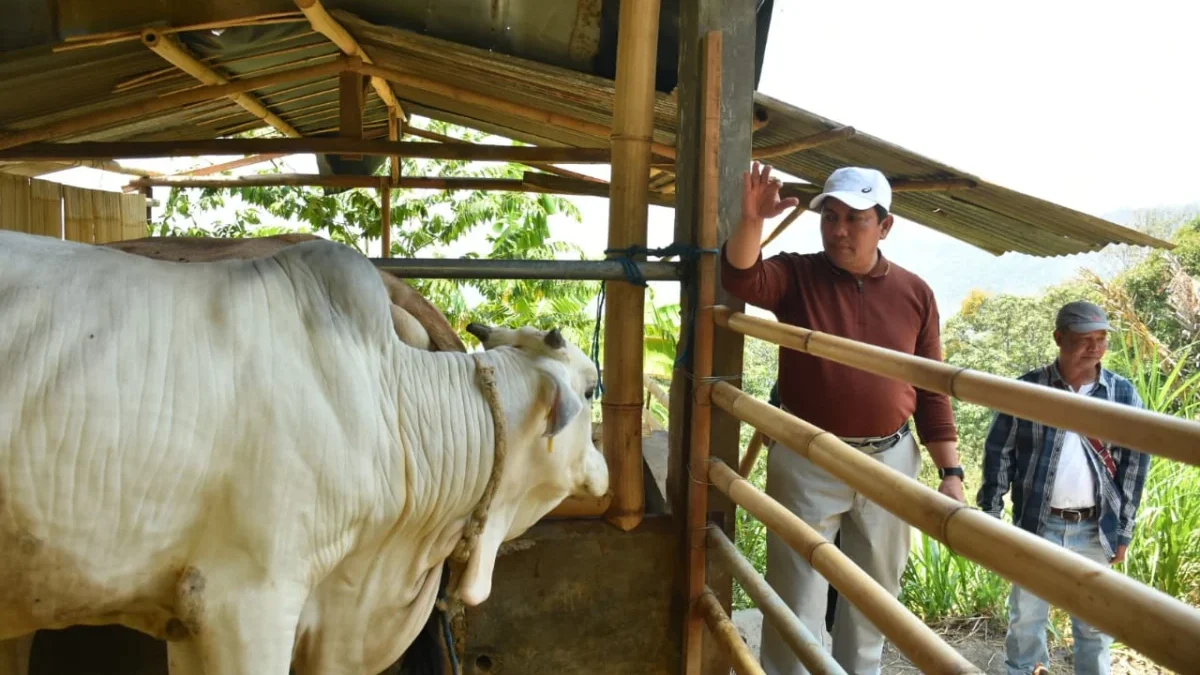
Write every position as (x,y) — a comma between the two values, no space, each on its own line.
(1028,614)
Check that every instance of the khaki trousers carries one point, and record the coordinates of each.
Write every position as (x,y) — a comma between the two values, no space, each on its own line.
(872,538)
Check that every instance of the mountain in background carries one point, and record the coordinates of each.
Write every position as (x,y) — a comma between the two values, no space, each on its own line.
(953,269)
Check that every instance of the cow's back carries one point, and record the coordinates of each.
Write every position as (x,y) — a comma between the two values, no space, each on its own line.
(147,408)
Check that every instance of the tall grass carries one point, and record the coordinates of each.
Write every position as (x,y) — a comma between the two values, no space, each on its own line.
(939,585)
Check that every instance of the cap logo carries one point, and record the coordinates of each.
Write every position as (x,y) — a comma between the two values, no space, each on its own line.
(866,189)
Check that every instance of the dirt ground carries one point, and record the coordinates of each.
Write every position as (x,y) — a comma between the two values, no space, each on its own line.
(980,647)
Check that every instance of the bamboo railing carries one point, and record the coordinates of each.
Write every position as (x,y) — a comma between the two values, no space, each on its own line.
(910,635)
(806,646)
(1157,625)
(1150,432)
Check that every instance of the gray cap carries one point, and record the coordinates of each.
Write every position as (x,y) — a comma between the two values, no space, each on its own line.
(1081,317)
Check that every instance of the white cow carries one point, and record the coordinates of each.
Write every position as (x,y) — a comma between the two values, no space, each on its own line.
(241,457)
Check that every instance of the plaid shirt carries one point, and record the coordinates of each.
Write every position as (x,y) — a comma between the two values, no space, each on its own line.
(1024,455)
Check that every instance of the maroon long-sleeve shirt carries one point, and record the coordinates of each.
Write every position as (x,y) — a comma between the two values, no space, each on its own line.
(889,307)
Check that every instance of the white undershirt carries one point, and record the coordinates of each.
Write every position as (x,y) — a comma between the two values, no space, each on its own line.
(1074,487)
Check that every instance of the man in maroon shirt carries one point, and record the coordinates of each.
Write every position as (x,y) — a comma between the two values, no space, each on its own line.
(851,290)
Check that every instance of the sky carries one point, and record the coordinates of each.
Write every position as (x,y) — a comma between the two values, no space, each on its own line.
(1091,105)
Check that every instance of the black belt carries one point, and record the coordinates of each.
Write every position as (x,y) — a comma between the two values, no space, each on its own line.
(1074,515)
(882,443)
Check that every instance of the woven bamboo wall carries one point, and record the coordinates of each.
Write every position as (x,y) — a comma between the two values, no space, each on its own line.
(64,212)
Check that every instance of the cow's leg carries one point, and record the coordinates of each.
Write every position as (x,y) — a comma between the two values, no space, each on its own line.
(14,655)
(241,625)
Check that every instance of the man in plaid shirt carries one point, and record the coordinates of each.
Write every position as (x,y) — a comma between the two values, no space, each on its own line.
(1078,492)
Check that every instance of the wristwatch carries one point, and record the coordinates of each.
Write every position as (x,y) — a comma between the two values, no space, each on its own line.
(952,471)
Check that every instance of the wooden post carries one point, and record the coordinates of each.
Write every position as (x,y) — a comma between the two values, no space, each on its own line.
(736,21)
(350,109)
(385,216)
(701,342)
(394,134)
(624,322)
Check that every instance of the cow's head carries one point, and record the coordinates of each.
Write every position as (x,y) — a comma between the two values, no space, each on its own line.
(550,450)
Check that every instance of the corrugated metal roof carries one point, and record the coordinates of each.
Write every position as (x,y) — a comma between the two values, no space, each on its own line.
(42,86)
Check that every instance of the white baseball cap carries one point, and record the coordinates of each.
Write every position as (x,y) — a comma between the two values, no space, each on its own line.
(857,188)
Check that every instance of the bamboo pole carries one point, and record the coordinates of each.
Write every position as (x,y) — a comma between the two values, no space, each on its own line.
(1152,622)
(727,634)
(294,146)
(385,220)
(227,166)
(701,341)
(806,191)
(910,635)
(783,225)
(113,37)
(93,120)
(584,187)
(806,646)
(806,143)
(326,25)
(50,166)
(350,109)
(501,105)
(316,180)
(548,168)
(1151,432)
(624,312)
(563,186)
(753,448)
(174,53)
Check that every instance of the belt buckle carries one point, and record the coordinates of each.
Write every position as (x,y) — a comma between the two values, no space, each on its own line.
(1075,517)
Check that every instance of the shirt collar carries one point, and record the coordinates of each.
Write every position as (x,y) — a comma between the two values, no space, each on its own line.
(881,268)
(1103,377)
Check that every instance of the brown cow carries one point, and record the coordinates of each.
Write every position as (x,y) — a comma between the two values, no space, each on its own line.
(417,321)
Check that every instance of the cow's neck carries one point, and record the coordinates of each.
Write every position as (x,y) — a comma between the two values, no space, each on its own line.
(446,432)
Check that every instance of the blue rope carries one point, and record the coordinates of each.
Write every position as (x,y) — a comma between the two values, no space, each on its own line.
(688,255)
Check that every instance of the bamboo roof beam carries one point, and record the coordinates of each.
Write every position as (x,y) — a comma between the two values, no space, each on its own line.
(806,143)
(51,166)
(806,191)
(325,24)
(253,146)
(174,53)
(157,104)
(113,37)
(584,187)
(501,105)
(544,166)
(531,182)
(250,160)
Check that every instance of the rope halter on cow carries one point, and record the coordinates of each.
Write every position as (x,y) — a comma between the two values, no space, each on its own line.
(485,376)
(451,605)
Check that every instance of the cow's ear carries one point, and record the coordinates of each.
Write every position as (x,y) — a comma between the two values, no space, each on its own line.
(564,403)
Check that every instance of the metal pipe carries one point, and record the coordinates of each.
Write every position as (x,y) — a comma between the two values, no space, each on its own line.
(565,270)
